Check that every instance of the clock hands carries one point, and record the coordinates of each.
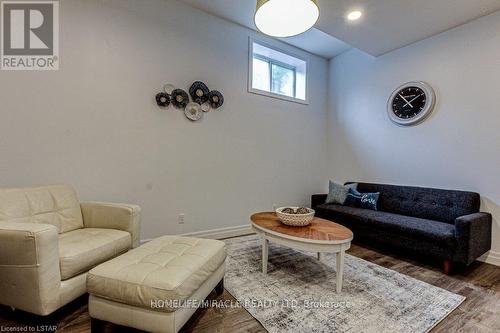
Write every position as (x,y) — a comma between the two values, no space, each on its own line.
(409,103)
(411,100)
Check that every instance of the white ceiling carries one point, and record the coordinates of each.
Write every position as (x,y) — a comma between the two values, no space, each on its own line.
(386,24)
(242,12)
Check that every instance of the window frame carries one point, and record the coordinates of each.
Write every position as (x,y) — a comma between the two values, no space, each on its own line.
(271,61)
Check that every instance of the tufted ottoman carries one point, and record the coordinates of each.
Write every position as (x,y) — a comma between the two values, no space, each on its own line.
(157,286)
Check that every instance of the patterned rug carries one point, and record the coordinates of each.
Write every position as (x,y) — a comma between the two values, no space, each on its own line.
(298,293)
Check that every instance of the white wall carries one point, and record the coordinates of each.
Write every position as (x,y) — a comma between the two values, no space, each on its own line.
(95,124)
(458,147)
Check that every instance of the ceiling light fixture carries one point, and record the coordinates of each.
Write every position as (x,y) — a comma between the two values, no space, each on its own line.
(285,18)
(354,15)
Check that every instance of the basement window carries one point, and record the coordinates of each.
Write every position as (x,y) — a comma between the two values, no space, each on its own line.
(275,73)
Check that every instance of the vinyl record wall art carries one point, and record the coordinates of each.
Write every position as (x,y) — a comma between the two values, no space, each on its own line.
(180,98)
(193,111)
(199,92)
(162,99)
(202,99)
(215,99)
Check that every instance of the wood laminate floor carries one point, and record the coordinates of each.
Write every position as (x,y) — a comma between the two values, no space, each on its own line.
(480,312)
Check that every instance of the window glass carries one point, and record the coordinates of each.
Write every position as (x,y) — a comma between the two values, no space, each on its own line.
(261,77)
(283,80)
(277,74)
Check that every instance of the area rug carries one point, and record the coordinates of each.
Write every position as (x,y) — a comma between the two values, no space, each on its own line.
(298,293)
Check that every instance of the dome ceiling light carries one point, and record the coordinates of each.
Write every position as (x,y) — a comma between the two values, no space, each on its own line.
(286,18)
(354,15)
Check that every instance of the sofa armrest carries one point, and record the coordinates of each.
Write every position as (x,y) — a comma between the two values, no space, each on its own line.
(473,234)
(318,199)
(113,216)
(29,266)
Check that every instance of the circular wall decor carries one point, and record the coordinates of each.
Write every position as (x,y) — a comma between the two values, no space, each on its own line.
(411,103)
(179,98)
(168,88)
(193,111)
(205,107)
(199,92)
(162,99)
(215,99)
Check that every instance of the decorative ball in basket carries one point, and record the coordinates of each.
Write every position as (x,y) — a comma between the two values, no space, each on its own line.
(295,216)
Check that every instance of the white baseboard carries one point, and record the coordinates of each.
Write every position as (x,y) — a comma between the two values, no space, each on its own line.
(492,257)
(218,233)
(221,233)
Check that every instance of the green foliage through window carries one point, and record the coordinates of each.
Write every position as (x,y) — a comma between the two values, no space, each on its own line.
(272,76)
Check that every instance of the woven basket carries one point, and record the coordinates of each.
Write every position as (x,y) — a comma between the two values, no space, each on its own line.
(296,220)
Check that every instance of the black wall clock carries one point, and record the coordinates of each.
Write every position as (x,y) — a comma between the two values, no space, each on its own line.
(411,103)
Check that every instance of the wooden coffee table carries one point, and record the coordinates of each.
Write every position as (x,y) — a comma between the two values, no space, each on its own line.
(320,236)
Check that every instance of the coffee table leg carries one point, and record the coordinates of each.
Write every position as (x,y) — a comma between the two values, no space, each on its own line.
(265,252)
(340,270)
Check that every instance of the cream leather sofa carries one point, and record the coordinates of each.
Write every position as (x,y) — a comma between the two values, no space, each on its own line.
(49,240)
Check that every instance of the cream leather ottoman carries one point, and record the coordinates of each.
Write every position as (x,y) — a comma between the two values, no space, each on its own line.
(157,286)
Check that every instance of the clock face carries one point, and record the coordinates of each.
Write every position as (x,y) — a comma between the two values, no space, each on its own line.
(410,103)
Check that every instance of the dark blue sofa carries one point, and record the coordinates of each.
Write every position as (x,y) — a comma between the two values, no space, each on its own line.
(445,224)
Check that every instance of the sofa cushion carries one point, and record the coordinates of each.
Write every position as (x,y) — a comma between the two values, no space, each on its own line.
(57,205)
(166,268)
(337,193)
(82,249)
(362,200)
(441,232)
(426,203)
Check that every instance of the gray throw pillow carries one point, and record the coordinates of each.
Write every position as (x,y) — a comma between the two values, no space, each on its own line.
(337,193)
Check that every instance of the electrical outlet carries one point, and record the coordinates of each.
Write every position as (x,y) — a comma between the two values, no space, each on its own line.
(181,218)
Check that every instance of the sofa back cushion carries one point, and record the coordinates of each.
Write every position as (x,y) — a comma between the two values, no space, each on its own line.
(57,205)
(426,203)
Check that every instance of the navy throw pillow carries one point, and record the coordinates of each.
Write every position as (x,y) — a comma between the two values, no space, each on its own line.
(362,200)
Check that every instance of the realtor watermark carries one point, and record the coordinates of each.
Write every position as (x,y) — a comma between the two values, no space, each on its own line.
(28,328)
(29,35)
(251,303)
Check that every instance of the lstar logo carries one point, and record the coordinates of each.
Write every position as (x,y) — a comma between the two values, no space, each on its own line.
(30,35)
